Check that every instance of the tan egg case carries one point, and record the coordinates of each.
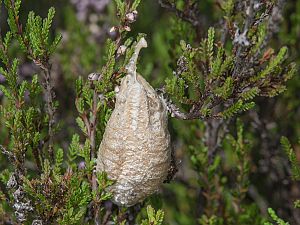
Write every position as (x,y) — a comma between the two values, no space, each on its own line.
(135,151)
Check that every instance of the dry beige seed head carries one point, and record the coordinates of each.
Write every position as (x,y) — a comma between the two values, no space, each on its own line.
(135,150)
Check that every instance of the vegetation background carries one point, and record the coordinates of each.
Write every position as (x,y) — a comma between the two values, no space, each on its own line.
(229,65)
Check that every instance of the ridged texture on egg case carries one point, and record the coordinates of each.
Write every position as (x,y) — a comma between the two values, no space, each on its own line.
(135,150)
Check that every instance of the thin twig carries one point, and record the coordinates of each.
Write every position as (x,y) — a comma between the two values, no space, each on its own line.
(92,137)
(194,112)
(10,156)
(239,52)
(50,109)
(106,217)
(192,16)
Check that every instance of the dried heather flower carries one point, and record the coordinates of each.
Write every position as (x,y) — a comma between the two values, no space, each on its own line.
(94,76)
(135,150)
(131,17)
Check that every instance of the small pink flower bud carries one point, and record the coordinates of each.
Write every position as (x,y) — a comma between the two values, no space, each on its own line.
(127,28)
(112,29)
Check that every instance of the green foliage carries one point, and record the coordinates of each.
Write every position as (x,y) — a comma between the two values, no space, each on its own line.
(292,157)
(219,65)
(103,184)
(135,4)
(209,45)
(13,11)
(250,94)
(273,64)
(154,218)
(59,158)
(211,68)
(56,194)
(297,204)
(286,145)
(176,87)
(225,180)
(108,69)
(213,220)
(237,107)
(121,7)
(275,218)
(23,119)
(76,203)
(259,39)
(35,39)
(226,89)
(228,6)
(37,34)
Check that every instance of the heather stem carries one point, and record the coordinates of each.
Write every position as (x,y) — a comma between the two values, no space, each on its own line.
(50,109)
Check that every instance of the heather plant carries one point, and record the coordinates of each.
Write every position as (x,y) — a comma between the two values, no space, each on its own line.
(215,64)
(295,175)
